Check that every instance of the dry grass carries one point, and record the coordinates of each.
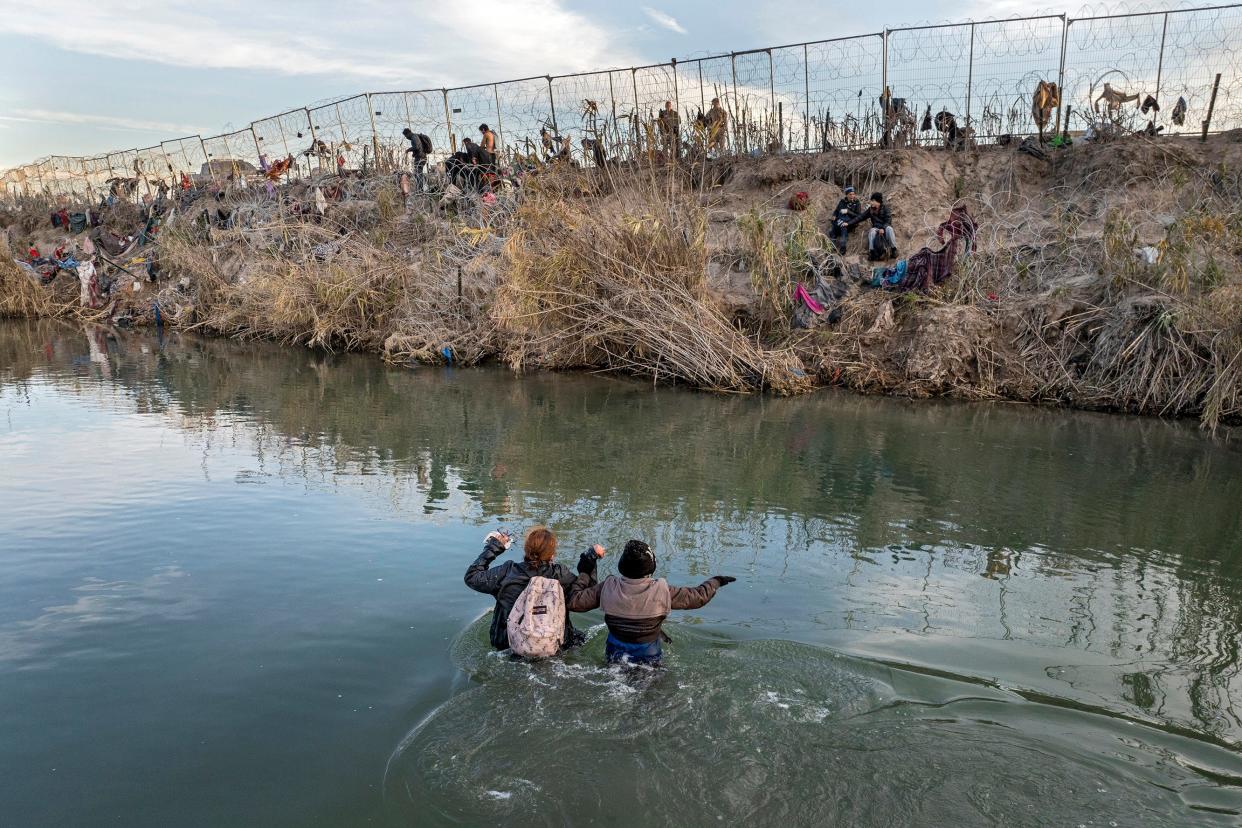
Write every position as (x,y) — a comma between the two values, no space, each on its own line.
(621,285)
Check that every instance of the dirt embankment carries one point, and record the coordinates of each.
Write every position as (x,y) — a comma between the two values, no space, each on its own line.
(1105,276)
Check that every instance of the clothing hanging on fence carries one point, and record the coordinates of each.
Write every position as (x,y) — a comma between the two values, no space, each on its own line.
(927,121)
(1149,104)
(1179,112)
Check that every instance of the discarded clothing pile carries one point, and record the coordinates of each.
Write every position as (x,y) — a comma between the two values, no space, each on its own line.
(824,297)
(927,268)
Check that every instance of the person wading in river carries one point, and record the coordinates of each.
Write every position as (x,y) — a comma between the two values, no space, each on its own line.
(507,581)
(635,605)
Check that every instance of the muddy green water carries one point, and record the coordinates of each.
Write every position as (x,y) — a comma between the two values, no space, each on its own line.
(231,594)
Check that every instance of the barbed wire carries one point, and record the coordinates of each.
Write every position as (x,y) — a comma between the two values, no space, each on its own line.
(799,97)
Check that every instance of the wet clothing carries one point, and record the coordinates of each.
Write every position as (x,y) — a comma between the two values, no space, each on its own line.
(507,581)
(635,609)
(618,652)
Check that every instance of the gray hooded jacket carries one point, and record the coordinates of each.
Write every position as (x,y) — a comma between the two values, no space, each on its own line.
(635,608)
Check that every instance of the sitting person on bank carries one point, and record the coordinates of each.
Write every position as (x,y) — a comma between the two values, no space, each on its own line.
(508,580)
(635,605)
(881,243)
(849,208)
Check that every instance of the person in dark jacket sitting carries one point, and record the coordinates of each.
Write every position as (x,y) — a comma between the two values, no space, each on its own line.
(635,605)
(507,581)
(880,238)
(849,208)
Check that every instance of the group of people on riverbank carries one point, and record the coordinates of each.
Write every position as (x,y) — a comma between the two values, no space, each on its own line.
(850,213)
(534,597)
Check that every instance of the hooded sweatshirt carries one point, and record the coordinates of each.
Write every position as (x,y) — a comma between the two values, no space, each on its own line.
(635,608)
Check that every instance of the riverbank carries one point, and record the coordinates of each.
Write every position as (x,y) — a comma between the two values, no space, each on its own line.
(1107,276)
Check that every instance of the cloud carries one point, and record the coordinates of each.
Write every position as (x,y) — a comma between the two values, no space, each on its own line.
(664,20)
(393,45)
(44,116)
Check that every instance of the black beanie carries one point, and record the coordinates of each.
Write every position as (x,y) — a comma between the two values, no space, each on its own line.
(878,197)
(637,561)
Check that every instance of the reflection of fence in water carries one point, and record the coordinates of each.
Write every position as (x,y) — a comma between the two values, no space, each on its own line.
(798,97)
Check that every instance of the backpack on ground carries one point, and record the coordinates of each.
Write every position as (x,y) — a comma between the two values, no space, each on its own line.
(424,141)
(536,624)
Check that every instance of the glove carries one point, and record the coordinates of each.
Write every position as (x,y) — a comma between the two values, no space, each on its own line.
(587,562)
(721,580)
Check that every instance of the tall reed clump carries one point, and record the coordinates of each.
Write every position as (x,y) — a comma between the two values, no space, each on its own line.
(21,294)
(619,283)
(316,288)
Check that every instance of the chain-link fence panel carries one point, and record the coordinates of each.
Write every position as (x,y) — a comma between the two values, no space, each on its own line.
(1009,60)
(789,92)
(469,107)
(524,107)
(231,157)
(287,135)
(653,86)
(186,156)
(845,80)
(1109,62)
(343,135)
(1197,45)
(587,110)
(152,166)
(754,112)
(422,112)
(928,69)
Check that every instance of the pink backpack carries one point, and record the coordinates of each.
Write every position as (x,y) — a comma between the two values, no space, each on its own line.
(536,624)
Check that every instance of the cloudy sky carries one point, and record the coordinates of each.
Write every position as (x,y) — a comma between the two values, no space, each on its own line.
(79,77)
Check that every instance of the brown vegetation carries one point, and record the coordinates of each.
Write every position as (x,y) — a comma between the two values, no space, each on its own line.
(684,274)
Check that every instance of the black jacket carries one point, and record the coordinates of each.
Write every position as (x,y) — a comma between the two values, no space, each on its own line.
(879,218)
(416,148)
(847,211)
(507,581)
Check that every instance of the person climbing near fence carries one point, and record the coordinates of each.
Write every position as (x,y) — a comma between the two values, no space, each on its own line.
(881,242)
(419,149)
(509,583)
(847,212)
(635,605)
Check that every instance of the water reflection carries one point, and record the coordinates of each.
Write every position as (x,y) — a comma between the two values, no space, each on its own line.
(1094,559)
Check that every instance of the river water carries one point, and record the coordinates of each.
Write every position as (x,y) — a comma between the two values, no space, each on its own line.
(231,594)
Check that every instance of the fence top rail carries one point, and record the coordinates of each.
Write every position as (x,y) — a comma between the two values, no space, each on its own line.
(973,23)
(1154,13)
(490,83)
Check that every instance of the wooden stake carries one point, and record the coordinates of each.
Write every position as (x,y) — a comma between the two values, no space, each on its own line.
(1207,122)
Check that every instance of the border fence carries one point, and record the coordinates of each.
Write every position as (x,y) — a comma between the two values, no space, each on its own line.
(875,89)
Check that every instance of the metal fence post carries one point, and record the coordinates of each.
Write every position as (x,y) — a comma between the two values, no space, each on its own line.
(884,96)
(1065,24)
(970,74)
(1164,30)
(556,130)
(806,104)
(676,90)
(374,133)
(448,122)
(500,124)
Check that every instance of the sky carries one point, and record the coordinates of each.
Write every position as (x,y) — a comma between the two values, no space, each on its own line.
(82,77)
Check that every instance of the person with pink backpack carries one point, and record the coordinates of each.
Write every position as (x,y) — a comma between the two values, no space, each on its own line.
(532,595)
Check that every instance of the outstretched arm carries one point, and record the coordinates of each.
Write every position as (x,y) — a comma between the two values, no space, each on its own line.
(582,594)
(479,576)
(686,598)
